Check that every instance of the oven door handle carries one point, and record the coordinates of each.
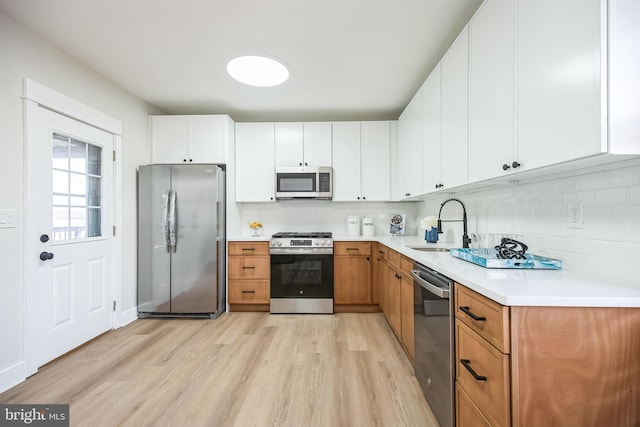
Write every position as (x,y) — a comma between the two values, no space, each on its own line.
(301,251)
(436,290)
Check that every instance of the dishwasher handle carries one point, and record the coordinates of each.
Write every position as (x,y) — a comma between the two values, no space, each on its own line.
(434,289)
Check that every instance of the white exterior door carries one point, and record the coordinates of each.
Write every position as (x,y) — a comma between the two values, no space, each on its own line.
(69,230)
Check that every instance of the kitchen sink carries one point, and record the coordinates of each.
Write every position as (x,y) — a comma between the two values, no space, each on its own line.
(429,249)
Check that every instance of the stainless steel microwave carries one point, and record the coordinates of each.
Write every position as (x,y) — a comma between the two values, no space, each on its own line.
(304,183)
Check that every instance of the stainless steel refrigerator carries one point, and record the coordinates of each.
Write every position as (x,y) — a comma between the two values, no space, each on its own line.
(181,240)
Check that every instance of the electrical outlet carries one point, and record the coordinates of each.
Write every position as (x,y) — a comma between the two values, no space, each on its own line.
(575,216)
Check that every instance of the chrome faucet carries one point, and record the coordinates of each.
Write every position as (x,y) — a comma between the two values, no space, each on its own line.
(465,238)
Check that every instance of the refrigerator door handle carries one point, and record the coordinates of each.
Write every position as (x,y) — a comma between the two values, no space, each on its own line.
(173,237)
(165,218)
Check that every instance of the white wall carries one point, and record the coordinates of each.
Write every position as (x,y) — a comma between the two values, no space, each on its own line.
(23,54)
(609,243)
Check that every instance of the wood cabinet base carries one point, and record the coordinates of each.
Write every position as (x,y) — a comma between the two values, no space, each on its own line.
(248,307)
(356,308)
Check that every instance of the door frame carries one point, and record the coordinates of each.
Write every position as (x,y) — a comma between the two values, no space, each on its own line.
(36,95)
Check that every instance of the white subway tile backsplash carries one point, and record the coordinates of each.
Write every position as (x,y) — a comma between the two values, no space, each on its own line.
(612,196)
(595,181)
(625,214)
(628,178)
(539,212)
(596,214)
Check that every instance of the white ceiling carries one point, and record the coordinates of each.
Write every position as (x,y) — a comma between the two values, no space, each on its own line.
(348,59)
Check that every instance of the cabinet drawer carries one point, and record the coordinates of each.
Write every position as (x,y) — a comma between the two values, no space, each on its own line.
(248,292)
(352,248)
(490,392)
(249,267)
(383,252)
(492,321)
(467,413)
(394,258)
(248,248)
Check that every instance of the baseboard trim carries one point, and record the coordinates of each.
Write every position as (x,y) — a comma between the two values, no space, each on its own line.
(12,376)
(127,317)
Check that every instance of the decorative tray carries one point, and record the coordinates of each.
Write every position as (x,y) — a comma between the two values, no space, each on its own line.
(483,259)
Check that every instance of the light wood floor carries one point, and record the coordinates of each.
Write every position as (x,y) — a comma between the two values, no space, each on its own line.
(243,369)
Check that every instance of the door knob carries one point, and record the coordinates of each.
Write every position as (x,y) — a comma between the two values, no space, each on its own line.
(506,167)
(44,256)
(515,165)
(44,238)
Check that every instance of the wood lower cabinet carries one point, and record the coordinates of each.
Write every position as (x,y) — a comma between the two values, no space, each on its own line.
(545,366)
(395,294)
(482,361)
(575,366)
(393,301)
(352,276)
(249,276)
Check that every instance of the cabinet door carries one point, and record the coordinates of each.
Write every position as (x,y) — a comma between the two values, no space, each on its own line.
(375,152)
(410,148)
(406,314)
(393,301)
(455,113)
(559,81)
(346,161)
(288,144)
(431,171)
(207,139)
(491,99)
(317,144)
(255,165)
(352,280)
(169,139)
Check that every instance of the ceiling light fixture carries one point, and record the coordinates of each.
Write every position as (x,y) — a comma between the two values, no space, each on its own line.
(257,71)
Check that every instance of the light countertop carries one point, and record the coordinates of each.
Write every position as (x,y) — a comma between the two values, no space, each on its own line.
(516,287)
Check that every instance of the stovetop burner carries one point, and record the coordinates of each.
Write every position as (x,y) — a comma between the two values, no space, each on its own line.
(303,235)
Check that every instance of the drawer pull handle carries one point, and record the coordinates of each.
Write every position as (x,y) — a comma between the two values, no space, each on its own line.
(248,267)
(472,315)
(353,249)
(248,249)
(248,292)
(381,252)
(467,364)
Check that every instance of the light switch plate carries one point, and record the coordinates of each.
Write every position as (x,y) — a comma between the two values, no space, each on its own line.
(7,218)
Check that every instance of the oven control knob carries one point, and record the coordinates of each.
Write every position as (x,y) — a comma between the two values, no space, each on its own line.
(324,243)
(279,243)
(272,243)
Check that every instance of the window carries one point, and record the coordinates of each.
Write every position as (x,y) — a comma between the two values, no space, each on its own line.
(76,188)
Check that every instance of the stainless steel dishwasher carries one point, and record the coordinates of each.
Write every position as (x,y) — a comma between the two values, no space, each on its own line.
(433,323)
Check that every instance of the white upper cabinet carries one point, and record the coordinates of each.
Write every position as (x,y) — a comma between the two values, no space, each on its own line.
(559,91)
(454,113)
(346,161)
(375,162)
(410,148)
(624,84)
(303,144)
(361,162)
(491,91)
(255,165)
(431,171)
(190,139)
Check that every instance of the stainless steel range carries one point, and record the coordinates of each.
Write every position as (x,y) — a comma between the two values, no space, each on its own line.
(301,272)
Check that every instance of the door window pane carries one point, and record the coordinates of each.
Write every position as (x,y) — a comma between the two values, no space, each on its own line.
(76,188)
